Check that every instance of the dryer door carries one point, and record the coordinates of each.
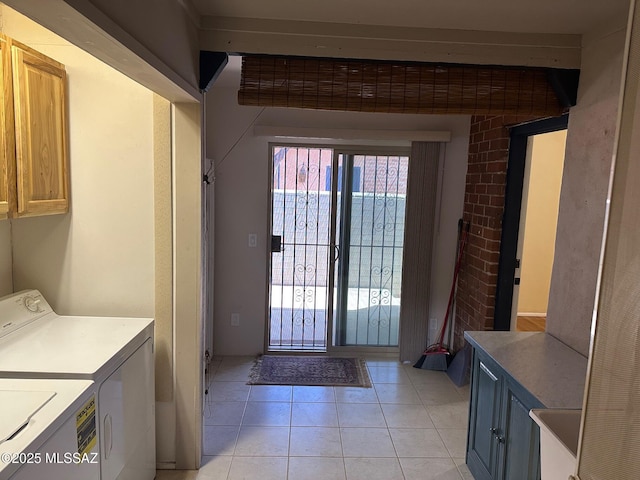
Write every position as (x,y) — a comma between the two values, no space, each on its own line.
(126,406)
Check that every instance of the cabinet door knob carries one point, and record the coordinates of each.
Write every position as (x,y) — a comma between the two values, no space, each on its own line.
(493,430)
(499,439)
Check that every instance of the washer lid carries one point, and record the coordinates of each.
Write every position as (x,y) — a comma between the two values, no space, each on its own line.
(71,347)
(18,407)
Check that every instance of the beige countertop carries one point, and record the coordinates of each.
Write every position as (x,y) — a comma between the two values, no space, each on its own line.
(551,371)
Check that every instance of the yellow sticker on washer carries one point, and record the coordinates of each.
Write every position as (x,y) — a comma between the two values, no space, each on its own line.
(86,426)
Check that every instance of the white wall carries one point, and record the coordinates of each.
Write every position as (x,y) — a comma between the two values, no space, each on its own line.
(187,283)
(242,196)
(589,152)
(6,274)
(98,259)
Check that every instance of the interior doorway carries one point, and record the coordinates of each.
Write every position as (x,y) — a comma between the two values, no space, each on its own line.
(337,229)
(532,196)
(538,221)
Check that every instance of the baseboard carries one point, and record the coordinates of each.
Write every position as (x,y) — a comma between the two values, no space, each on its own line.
(165,465)
(526,314)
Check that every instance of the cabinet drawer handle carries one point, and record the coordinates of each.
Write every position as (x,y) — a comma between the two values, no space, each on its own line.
(488,372)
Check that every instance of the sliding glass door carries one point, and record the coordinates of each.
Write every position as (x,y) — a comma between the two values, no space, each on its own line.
(370,240)
(337,222)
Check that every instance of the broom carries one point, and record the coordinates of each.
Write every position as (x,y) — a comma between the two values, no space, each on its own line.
(436,356)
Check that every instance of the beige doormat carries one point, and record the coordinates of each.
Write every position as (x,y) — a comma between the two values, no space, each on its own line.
(306,370)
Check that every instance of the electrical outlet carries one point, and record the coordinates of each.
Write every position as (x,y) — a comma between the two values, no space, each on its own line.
(235,319)
(253,240)
(433,330)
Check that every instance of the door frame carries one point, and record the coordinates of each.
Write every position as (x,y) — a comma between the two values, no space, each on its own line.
(518,141)
(338,148)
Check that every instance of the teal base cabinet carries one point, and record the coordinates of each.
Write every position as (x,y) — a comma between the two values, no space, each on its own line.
(503,442)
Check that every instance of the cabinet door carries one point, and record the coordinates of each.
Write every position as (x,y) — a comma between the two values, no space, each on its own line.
(521,436)
(482,446)
(7,140)
(40,124)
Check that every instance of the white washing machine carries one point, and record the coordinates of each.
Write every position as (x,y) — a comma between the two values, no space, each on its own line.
(116,353)
(48,429)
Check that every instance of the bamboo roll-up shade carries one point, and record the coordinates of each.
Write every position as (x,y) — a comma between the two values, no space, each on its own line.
(395,87)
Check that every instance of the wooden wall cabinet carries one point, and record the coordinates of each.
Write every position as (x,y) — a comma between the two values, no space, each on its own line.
(7,140)
(33,155)
(503,442)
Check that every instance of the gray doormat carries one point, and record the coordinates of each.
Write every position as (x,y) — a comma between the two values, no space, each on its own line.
(305,370)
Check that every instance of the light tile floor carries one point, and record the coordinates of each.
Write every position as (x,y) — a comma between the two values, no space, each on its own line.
(411,425)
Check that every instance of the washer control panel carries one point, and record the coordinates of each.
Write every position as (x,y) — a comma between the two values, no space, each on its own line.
(32,303)
(20,309)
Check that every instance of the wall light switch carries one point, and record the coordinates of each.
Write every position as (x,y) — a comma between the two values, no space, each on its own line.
(253,240)
(235,319)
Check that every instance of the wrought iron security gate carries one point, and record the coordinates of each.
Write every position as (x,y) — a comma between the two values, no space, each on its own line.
(370,239)
(301,248)
(337,235)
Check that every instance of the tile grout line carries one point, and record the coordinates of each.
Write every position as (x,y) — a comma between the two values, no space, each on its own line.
(381,374)
(435,428)
(290,430)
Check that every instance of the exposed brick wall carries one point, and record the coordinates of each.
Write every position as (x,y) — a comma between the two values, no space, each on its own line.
(484,208)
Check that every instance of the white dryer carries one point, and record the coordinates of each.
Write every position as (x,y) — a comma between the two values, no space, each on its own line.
(116,353)
(48,429)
